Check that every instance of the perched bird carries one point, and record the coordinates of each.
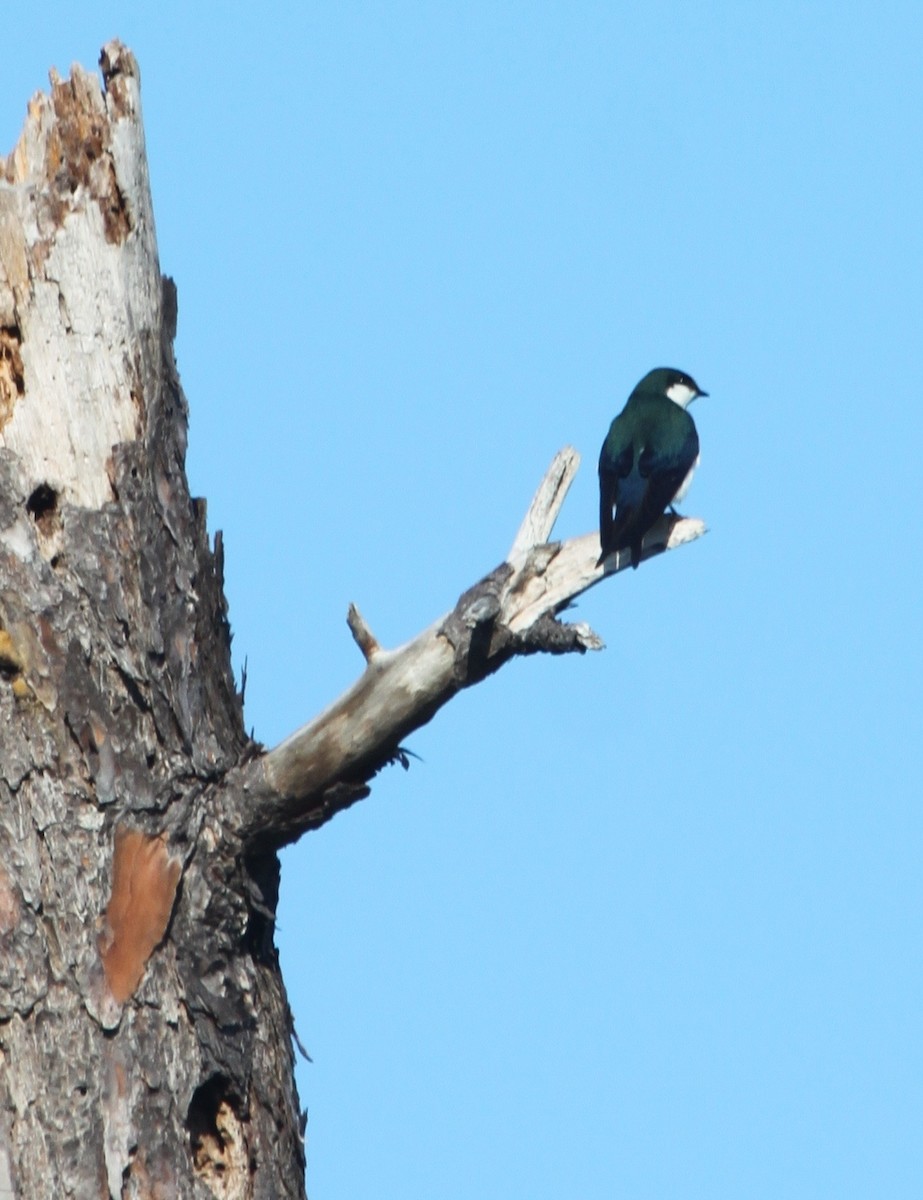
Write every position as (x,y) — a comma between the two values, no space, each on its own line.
(647,460)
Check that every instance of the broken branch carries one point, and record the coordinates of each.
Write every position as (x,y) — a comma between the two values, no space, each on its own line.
(326,765)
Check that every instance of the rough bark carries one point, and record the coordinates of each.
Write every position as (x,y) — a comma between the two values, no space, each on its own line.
(145,1036)
(122,1071)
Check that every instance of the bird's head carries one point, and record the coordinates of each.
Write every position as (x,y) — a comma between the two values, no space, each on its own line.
(677,386)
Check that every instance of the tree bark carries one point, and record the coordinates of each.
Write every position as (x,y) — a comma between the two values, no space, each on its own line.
(145,1035)
(124,1072)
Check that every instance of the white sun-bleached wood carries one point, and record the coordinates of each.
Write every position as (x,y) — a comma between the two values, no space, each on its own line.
(516,606)
(87,303)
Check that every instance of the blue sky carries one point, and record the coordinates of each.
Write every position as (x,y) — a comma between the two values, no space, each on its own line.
(645,923)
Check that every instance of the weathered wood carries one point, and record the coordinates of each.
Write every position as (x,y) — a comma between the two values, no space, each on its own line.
(550,495)
(145,1036)
(362,635)
(126,1069)
(326,765)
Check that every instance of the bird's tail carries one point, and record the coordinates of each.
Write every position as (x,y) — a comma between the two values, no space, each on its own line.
(606,524)
(619,533)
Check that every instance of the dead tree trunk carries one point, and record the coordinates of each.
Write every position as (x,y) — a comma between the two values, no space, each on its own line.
(145,1037)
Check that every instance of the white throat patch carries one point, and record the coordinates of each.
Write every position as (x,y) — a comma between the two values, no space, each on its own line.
(681,394)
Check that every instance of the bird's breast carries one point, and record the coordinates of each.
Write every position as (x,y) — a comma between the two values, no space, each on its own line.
(684,486)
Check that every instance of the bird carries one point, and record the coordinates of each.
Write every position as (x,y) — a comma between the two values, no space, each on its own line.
(647,460)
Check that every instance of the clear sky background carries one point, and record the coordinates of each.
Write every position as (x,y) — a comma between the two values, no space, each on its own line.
(645,923)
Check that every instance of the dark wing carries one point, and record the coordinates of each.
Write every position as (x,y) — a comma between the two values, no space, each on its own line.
(611,472)
(663,479)
(663,472)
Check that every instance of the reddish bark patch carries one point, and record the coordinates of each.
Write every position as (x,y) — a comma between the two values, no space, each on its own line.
(144,882)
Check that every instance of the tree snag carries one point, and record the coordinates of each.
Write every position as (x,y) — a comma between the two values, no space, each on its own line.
(145,1035)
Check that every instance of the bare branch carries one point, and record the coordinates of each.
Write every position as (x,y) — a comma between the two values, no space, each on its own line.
(362,635)
(326,765)
(546,503)
(555,574)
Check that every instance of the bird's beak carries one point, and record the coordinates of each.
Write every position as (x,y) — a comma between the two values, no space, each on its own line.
(699,395)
